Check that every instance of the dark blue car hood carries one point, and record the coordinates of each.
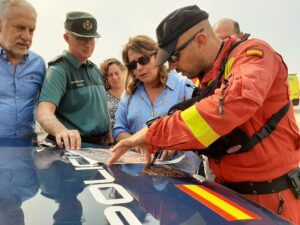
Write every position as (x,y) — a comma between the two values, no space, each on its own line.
(38,187)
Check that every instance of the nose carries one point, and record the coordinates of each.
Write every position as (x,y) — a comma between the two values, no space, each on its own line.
(138,66)
(27,35)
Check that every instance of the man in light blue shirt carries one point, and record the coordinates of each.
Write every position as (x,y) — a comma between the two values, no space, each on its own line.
(21,71)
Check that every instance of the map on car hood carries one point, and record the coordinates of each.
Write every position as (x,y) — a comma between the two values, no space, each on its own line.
(96,156)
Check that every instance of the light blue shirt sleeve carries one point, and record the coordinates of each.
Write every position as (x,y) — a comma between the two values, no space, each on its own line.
(121,123)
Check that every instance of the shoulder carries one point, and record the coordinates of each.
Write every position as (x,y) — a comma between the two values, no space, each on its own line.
(34,55)
(36,58)
(253,47)
(56,60)
(175,78)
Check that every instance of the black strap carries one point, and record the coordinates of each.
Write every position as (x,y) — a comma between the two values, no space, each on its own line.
(265,187)
(269,127)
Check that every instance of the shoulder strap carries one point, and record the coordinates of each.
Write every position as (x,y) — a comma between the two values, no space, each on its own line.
(269,127)
(55,60)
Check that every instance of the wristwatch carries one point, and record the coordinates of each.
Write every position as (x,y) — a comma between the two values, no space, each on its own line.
(149,122)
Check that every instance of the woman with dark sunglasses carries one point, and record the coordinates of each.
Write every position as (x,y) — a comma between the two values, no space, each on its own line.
(150,90)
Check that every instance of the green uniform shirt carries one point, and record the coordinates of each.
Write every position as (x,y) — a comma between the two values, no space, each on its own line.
(78,92)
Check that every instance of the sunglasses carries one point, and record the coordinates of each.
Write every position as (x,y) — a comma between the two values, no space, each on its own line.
(143,60)
(175,55)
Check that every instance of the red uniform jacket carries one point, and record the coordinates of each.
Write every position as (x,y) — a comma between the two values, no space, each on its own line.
(257,88)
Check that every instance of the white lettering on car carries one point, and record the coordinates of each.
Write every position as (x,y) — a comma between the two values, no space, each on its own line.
(114,219)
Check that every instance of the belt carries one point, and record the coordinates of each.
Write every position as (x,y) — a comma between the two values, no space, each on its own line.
(99,140)
(265,187)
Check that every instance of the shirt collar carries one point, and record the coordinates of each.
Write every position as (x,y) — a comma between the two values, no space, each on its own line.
(74,61)
(3,54)
(171,82)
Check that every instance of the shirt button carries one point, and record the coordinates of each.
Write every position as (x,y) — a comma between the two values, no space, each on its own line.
(17,97)
(18,114)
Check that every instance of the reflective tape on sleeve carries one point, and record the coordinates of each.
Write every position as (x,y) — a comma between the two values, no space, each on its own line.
(198,126)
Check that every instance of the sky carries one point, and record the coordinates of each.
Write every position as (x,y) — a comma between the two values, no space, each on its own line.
(274,21)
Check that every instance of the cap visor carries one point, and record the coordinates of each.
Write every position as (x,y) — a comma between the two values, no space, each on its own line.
(87,35)
(163,54)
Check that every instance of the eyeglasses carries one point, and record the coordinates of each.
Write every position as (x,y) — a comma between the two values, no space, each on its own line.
(175,55)
(143,60)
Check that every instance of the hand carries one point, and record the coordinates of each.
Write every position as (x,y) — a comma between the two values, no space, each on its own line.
(135,141)
(69,139)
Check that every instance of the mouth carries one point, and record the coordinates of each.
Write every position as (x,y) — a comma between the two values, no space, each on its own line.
(23,45)
(143,75)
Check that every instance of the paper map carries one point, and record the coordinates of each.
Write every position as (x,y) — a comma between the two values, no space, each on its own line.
(97,155)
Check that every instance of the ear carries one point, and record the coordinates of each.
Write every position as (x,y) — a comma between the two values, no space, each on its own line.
(67,38)
(241,35)
(201,41)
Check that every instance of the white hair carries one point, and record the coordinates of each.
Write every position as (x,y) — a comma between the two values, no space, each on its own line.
(5,6)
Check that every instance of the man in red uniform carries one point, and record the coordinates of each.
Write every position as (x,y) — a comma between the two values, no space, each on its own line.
(251,86)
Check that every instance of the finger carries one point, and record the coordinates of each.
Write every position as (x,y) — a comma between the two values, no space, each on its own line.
(117,155)
(147,157)
(59,141)
(66,140)
(117,146)
(78,141)
(72,139)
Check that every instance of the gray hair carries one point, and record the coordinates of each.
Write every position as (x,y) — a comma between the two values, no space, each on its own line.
(5,6)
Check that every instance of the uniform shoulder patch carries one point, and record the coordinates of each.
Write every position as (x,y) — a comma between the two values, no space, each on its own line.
(55,60)
(255,52)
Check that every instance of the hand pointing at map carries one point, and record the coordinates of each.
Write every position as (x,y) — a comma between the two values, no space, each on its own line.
(136,140)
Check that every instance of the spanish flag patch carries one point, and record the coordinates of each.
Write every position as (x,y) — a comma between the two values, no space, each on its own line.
(221,205)
(255,52)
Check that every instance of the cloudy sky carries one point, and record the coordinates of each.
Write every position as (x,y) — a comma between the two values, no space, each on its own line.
(275,21)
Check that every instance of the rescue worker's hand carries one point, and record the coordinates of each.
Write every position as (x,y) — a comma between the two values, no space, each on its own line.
(68,139)
(135,141)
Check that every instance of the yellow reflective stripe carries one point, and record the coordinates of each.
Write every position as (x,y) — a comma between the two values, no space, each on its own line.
(255,52)
(198,126)
(228,67)
(197,84)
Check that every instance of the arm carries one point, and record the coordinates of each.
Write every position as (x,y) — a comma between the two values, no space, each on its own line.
(121,128)
(135,141)
(122,136)
(70,139)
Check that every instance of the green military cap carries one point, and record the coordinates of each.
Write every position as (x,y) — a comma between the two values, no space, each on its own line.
(81,24)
